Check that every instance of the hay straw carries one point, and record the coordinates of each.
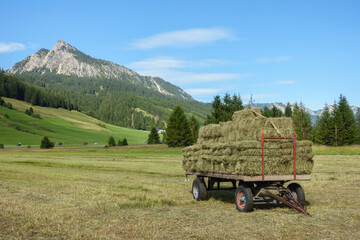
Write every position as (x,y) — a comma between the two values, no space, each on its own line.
(235,147)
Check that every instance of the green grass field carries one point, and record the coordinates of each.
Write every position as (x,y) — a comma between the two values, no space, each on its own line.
(71,128)
(139,192)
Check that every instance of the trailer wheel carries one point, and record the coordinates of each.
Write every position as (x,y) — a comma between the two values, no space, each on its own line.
(298,192)
(244,199)
(199,190)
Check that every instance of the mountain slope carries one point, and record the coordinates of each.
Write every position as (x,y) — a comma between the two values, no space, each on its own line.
(67,60)
(105,90)
(71,128)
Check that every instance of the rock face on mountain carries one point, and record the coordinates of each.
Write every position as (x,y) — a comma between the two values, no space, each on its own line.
(67,60)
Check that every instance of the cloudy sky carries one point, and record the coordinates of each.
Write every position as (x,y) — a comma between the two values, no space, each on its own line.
(279,51)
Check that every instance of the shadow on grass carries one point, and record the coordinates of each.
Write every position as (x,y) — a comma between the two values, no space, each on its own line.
(228,196)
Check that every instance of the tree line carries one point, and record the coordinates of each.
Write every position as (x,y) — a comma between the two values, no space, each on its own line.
(336,126)
(11,87)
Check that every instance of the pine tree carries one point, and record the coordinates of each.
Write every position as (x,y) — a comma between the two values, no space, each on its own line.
(324,130)
(358,124)
(338,126)
(275,112)
(111,141)
(153,137)
(302,123)
(346,115)
(119,143)
(125,143)
(45,143)
(288,111)
(222,110)
(266,112)
(194,128)
(178,132)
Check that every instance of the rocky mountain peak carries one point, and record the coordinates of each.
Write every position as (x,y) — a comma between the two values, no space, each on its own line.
(62,45)
(65,59)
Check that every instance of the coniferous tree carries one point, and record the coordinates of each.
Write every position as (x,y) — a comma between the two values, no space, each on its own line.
(275,112)
(338,125)
(288,110)
(45,143)
(194,128)
(302,123)
(178,133)
(125,143)
(154,137)
(222,110)
(324,130)
(111,141)
(266,112)
(346,115)
(358,124)
(119,143)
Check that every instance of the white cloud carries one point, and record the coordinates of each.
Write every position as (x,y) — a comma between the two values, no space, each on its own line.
(285,82)
(178,71)
(169,62)
(278,59)
(184,38)
(202,91)
(11,47)
(159,63)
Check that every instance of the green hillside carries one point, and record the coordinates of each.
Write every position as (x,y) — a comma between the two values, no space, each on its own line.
(71,128)
(114,100)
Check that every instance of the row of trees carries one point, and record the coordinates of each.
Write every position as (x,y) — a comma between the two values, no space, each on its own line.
(336,126)
(112,142)
(276,112)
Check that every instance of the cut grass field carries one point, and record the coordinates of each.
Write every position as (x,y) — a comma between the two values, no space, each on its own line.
(71,128)
(139,193)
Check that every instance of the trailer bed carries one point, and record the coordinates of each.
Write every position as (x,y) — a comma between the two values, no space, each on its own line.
(246,178)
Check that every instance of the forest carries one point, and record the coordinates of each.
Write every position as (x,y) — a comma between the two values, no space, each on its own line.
(115,101)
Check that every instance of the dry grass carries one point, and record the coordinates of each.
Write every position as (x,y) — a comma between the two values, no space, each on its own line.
(140,193)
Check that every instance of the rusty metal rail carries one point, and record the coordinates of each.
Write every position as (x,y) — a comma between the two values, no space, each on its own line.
(289,201)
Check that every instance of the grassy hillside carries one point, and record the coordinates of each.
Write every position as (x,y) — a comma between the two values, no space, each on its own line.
(71,128)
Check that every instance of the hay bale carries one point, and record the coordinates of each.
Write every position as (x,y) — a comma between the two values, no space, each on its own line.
(235,147)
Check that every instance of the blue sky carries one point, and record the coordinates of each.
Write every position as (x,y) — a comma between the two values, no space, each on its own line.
(279,51)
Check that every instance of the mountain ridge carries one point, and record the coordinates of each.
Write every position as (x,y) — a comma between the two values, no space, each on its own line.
(105,90)
(64,59)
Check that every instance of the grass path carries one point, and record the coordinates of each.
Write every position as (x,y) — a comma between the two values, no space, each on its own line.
(140,193)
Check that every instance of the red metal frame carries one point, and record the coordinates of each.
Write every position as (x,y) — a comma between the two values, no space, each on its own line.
(263,154)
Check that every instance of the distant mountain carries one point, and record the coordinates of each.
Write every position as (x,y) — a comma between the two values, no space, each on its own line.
(65,59)
(105,90)
(313,113)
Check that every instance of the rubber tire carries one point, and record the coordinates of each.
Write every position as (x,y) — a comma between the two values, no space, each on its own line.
(248,207)
(298,192)
(199,187)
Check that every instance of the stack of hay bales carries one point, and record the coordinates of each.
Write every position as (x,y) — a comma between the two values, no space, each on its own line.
(235,147)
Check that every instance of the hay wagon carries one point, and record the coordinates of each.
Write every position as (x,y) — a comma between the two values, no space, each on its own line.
(249,190)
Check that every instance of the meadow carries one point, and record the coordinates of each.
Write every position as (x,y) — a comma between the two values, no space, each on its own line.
(139,192)
(71,128)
